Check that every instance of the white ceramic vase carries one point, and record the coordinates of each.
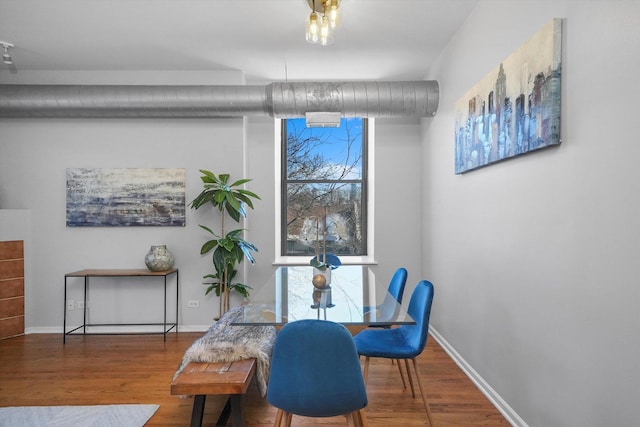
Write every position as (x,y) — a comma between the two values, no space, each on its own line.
(159,258)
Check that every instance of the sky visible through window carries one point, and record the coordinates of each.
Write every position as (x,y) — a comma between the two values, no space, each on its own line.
(337,146)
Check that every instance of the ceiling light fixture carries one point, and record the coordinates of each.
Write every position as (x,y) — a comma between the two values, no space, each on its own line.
(323,19)
(6,58)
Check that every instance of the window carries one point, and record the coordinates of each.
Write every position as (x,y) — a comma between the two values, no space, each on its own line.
(324,187)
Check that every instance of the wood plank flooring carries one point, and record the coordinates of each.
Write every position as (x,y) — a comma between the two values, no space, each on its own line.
(38,369)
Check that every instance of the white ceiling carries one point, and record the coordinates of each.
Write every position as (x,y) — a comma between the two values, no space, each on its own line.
(377,40)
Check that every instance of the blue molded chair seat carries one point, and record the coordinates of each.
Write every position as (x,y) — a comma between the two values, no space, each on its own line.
(405,342)
(316,372)
(392,344)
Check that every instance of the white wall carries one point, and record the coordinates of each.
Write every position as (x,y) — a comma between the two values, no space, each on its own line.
(33,177)
(35,153)
(534,259)
(398,201)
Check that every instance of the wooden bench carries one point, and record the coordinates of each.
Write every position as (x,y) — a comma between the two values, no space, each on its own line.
(200,379)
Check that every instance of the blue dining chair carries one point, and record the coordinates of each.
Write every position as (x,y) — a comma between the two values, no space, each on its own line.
(391,304)
(405,342)
(316,372)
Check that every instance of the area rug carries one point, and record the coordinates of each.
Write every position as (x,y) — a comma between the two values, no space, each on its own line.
(77,416)
(226,343)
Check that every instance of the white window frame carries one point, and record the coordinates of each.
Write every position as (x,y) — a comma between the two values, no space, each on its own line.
(304,260)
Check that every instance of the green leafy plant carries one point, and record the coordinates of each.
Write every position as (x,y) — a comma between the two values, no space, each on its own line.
(228,249)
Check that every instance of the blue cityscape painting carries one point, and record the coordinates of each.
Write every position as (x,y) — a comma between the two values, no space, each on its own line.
(124,197)
(515,109)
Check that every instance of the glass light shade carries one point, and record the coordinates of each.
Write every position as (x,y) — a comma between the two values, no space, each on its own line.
(333,11)
(326,35)
(313,28)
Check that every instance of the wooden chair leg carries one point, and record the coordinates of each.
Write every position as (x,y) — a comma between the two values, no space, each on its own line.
(356,418)
(287,419)
(424,400)
(366,369)
(406,364)
(404,382)
(362,418)
(278,421)
(351,421)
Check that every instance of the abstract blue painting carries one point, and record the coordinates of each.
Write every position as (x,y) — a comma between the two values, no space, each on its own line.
(515,109)
(124,197)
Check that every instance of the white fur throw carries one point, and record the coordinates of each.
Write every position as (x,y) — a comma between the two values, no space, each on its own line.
(226,343)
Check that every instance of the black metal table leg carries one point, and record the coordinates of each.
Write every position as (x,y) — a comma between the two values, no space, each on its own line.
(84,310)
(236,410)
(233,408)
(64,317)
(177,298)
(223,418)
(198,410)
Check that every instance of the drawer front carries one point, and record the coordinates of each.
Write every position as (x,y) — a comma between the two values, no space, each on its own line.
(11,269)
(13,249)
(11,327)
(11,288)
(11,307)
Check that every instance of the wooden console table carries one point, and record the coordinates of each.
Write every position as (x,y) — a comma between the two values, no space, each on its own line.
(87,274)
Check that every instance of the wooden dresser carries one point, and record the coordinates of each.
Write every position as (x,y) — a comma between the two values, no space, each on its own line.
(11,288)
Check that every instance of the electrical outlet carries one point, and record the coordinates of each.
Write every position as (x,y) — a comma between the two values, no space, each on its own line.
(193,303)
(70,305)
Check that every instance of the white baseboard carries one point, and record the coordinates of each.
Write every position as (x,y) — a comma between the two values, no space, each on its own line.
(120,329)
(194,328)
(507,411)
(43,330)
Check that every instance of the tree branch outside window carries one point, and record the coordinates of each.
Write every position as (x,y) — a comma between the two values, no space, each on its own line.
(324,170)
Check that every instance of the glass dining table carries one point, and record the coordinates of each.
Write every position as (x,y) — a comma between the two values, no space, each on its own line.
(353,297)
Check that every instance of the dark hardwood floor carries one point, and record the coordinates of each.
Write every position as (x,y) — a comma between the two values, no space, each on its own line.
(38,369)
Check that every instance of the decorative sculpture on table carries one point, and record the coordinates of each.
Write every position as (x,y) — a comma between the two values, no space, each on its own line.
(322,265)
(319,281)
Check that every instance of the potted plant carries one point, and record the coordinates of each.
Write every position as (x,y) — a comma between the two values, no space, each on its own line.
(229,248)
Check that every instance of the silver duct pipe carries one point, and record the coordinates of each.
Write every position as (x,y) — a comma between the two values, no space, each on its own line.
(354,99)
(130,101)
(278,100)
